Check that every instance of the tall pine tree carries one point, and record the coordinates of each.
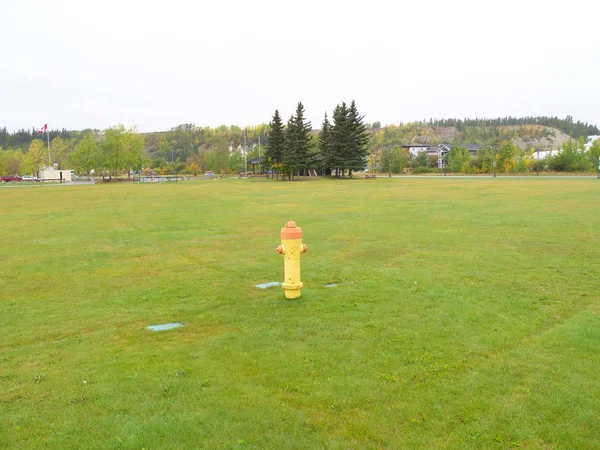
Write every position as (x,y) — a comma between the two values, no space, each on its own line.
(339,140)
(275,149)
(358,145)
(296,154)
(325,140)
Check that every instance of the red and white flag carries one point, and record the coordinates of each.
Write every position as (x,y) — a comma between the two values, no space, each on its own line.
(44,128)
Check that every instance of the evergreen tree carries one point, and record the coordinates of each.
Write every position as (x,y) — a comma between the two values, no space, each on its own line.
(325,139)
(358,151)
(275,148)
(339,139)
(296,154)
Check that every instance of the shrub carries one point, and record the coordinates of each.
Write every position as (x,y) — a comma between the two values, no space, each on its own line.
(420,170)
(571,158)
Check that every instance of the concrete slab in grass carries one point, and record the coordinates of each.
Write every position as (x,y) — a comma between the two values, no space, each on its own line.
(268,285)
(164,326)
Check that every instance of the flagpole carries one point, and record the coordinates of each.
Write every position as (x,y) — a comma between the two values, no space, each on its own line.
(45,129)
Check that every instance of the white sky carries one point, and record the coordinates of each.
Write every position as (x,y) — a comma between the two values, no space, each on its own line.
(156,64)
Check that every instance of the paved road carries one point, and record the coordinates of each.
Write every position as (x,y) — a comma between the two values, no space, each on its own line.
(25,185)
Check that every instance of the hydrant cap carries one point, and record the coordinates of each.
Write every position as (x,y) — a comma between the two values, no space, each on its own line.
(291,231)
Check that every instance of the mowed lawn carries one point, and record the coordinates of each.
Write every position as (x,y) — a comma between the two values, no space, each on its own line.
(466,315)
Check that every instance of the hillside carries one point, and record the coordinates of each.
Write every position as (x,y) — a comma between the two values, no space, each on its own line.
(524,136)
(551,138)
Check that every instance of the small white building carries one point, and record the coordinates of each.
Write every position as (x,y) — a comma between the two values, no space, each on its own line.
(538,156)
(590,140)
(52,174)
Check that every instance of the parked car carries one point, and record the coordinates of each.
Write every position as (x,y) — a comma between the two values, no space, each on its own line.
(9,178)
(29,178)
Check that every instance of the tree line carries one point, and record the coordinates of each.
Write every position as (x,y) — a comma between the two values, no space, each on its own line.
(114,151)
(338,146)
(195,149)
(22,137)
(185,148)
(567,125)
(181,141)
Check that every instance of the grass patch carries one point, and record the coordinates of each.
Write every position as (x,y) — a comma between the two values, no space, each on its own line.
(465,314)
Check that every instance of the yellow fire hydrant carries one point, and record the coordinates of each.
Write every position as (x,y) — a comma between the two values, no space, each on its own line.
(291,248)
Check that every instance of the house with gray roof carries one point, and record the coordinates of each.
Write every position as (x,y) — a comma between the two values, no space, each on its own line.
(437,152)
(444,149)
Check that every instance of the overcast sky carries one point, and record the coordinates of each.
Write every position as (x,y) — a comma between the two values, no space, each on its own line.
(156,64)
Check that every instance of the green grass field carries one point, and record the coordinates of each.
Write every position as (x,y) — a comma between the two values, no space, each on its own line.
(466,315)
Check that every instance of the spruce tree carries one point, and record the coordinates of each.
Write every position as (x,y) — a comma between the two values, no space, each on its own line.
(325,140)
(296,154)
(275,149)
(339,140)
(287,157)
(358,151)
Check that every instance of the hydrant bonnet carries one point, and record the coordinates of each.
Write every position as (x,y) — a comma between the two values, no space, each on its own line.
(291,231)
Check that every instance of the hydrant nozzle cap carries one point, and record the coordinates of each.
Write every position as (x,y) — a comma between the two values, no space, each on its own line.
(291,231)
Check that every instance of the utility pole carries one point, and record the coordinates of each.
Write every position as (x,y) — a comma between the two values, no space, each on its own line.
(495,157)
(191,138)
(245,155)
(48,136)
(537,163)
(259,165)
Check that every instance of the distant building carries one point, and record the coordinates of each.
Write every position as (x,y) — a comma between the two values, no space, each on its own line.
(538,156)
(590,140)
(437,152)
(473,149)
(413,150)
(52,174)
(442,154)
